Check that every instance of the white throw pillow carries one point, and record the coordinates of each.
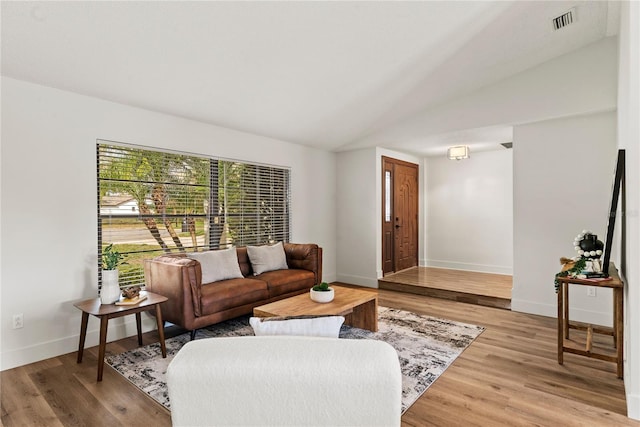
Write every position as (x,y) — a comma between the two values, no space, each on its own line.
(267,258)
(218,265)
(326,326)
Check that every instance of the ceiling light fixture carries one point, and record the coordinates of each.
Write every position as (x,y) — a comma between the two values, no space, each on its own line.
(458,152)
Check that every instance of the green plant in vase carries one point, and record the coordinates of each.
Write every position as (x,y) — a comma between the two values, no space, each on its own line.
(110,290)
(322,287)
(111,258)
(322,293)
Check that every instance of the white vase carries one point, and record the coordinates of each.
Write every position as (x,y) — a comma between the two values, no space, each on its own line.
(110,291)
(322,296)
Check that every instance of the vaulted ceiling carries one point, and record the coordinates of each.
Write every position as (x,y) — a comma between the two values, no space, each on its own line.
(322,74)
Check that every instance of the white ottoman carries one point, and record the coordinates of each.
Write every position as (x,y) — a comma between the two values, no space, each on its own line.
(285,380)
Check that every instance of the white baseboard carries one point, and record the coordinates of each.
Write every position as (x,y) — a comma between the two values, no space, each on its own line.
(358,280)
(633,406)
(45,350)
(551,310)
(481,268)
(524,306)
(329,278)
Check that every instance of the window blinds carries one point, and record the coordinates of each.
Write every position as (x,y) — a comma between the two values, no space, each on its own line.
(152,202)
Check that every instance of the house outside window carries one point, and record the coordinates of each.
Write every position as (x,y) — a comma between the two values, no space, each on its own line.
(152,202)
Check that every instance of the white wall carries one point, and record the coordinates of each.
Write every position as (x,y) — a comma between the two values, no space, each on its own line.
(563,173)
(580,82)
(48,160)
(629,139)
(470,212)
(359,204)
(357,217)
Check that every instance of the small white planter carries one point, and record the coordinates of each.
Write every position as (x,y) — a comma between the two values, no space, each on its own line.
(322,296)
(110,291)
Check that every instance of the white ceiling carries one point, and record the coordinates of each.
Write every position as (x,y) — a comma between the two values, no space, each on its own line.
(322,74)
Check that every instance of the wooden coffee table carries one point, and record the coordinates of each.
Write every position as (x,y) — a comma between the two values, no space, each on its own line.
(358,306)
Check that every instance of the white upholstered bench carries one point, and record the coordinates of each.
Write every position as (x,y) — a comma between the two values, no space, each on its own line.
(285,380)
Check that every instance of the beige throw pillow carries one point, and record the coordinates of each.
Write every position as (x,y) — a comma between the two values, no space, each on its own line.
(267,258)
(218,265)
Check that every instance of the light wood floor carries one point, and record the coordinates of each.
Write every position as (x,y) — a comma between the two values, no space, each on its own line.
(492,290)
(508,377)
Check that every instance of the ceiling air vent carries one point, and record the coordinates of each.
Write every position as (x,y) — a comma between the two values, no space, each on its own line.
(507,144)
(565,19)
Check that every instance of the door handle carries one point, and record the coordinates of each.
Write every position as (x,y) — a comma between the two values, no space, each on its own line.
(397,225)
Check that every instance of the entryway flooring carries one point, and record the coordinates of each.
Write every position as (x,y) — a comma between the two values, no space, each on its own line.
(491,290)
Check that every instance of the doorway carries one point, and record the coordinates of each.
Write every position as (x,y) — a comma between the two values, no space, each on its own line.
(399,215)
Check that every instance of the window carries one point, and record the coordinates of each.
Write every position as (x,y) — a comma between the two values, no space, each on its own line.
(153,202)
(387,196)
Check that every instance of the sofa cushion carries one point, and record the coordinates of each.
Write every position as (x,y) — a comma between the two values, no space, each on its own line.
(232,293)
(217,265)
(267,258)
(282,282)
(307,326)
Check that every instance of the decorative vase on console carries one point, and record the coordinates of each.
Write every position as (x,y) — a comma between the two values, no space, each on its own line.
(590,248)
(111,259)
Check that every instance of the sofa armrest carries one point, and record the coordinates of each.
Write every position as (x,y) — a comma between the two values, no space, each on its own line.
(179,279)
(305,256)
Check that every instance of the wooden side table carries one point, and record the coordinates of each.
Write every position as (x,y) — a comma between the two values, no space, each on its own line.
(564,324)
(109,311)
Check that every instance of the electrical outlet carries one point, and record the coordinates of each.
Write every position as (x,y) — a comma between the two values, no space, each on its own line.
(591,291)
(18,321)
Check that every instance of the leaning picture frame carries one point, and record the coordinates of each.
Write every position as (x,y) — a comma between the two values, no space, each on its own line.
(618,190)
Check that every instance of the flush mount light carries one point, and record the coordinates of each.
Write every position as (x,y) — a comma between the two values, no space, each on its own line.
(458,153)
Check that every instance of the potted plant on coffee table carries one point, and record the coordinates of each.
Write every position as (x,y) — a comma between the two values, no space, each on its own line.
(111,259)
(322,293)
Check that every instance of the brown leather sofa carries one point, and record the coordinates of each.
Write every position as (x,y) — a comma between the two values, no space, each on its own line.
(193,304)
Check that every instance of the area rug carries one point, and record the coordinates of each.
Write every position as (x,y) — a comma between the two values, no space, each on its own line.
(426,346)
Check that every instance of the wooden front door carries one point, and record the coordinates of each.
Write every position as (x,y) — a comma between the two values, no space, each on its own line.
(399,215)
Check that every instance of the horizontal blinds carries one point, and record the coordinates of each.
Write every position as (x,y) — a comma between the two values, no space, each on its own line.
(153,202)
(253,203)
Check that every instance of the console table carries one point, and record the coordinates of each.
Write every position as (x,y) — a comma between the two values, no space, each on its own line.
(564,324)
(109,311)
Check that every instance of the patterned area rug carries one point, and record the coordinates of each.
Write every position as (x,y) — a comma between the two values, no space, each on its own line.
(426,346)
